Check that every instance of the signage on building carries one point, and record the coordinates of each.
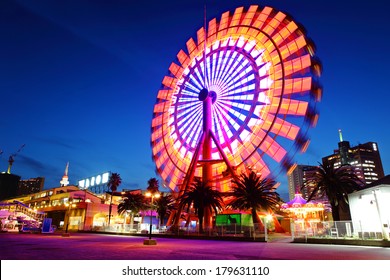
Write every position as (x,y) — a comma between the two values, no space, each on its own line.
(98,180)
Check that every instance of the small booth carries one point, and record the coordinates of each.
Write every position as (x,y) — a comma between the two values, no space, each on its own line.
(370,210)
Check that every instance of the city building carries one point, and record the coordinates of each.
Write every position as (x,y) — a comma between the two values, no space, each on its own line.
(67,206)
(72,208)
(30,186)
(297,179)
(9,185)
(365,158)
(300,183)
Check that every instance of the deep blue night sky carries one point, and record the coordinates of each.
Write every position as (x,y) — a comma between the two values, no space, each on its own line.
(79,79)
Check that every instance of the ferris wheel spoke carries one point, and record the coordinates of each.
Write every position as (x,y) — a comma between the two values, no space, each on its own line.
(190,122)
(227,69)
(246,83)
(222,134)
(190,91)
(239,111)
(223,67)
(189,129)
(187,119)
(234,71)
(219,113)
(196,78)
(183,107)
(230,124)
(244,96)
(194,135)
(239,76)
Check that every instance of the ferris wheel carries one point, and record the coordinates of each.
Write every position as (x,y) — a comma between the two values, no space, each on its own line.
(241,96)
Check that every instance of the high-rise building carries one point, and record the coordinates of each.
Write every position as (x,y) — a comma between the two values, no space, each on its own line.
(300,180)
(32,185)
(365,159)
(297,181)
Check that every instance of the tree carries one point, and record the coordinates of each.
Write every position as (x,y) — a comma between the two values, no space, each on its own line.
(165,205)
(152,185)
(133,202)
(336,184)
(203,198)
(113,183)
(251,192)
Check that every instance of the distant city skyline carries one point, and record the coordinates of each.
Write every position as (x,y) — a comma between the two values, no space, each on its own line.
(79,80)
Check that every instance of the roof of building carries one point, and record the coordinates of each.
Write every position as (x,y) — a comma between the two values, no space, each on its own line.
(298,200)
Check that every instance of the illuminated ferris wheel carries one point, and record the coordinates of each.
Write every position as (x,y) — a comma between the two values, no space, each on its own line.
(240,97)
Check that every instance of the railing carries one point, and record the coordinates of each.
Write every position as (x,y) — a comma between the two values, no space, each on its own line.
(338,230)
(17,207)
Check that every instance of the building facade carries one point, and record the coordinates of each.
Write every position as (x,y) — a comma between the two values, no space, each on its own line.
(365,158)
(297,181)
(9,184)
(30,186)
(300,182)
(71,208)
(370,210)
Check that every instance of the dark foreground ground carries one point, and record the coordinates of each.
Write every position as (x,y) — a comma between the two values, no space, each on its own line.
(89,246)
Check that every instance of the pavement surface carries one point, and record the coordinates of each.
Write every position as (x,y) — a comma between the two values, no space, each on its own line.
(90,246)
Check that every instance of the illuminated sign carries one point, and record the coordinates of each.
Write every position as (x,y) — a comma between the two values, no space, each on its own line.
(93,181)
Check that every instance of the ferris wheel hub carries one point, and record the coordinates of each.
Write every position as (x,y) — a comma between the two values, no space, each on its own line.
(203,94)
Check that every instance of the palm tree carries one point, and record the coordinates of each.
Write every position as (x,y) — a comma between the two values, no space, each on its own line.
(203,198)
(113,183)
(336,184)
(133,202)
(165,205)
(152,185)
(251,192)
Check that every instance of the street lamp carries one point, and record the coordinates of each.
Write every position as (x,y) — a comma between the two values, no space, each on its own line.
(69,205)
(150,241)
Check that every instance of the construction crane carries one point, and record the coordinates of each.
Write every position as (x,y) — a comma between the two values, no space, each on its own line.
(12,158)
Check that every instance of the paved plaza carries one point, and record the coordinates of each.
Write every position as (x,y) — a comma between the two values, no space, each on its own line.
(89,246)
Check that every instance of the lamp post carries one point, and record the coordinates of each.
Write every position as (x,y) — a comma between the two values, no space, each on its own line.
(86,201)
(69,205)
(150,241)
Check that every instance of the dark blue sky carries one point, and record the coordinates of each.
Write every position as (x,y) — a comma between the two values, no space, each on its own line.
(79,79)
